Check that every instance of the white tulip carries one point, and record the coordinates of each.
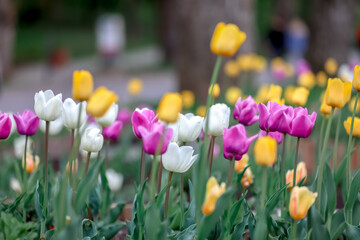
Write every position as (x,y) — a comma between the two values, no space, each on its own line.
(13,123)
(109,117)
(115,180)
(15,185)
(189,127)
(219,116)
(345,73)
(47,105)
(92,140)
(19,146)
(55,127)
(84,154)
(70,113)
(178,159)
(175,128)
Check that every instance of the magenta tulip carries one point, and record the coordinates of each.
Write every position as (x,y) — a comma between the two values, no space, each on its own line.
(124,116)
(280,121)
(112,132)
(27,123)
(266,113)
(5,125)
(302,124)
(245,111)
(302,66)
(142,118)
(235,142)
(277,135)
(155,135)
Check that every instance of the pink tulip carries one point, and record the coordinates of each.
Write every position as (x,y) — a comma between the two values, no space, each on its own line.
(144,118)
(302,66)
(277,135)
(153,136)
(302,124)
(266,113)
(245,111)
(235,142)
(124,116)
(112,132)
(5,125)
(27,123)
(280,121)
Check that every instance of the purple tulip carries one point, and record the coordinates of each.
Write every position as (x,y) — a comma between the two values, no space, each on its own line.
(280,121)
(5,125)
(277,135)
(235,142)
(152,136)
(302,66)
(245,111)
(144,118)
(27,123)
(112,132)
(279,74)
(266,113)
(302,124)
(124,116)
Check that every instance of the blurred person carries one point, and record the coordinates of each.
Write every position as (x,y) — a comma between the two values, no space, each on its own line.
(296,38)
(276,35)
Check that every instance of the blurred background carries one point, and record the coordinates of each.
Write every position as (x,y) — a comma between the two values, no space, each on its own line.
(163,42)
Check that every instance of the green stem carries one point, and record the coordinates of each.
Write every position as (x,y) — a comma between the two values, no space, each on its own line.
(263,189)
(294,230)
(160,175)
(25,176)
(142,165)
(167,196)
(87,163)
(322,128)
(211,153)
(46,184)
(230,171)
(282,174)
(152,178)
(336,143)
(182,199)
(322,159)
(295,161)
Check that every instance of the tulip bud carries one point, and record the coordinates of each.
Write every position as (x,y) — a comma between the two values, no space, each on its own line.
(135,86)
(115,180)
(156,138)
(100,101)
(70,113)
(241,165)
(356,128)
(112,132)
(92,140)
(218,119)
(5,125)
(75,165)
(189,127)
(82,85)
(356,78)
(215,90)
(31,163)
(300,96)
(265,151)
(245,111)
(247,178)
(337,93)
(48,106)
(301,173)
(352,105)
(188,98)
(178,159)
(27,123)
(301,200)
(169,107)
(109,117)
(213,192)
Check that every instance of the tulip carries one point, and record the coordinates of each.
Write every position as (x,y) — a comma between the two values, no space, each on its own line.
(245,111)
(231,69)
(274,92)
(100,101)
(92,140)
(352,105)
(247,178)
(156,137)
(109,117)
(213,192)
(135,86)
(307,80)
(217,120)
(300,96)
(301,173)
(232,94)
(169,107)
(142,117)
(188,98)
(27,123)
(241,165)
(82,85)
(302,66)
(55,126)
(15,185)
(70,114)
(189,127)
(178,159)
(356,128)
(75,165)
(201,111)
(112,132)
(226,39)
(277,135)
(31,162)
(19,146)
(215,90)
(124,115)
(266,116)
(235,142)
(261,95)
(265,151)
(13,124)
(302,123)
(331,66)
(356,78)
(345,73)
(325,109)
(259,63)
(5,125)
(47,105)
(115,180)
(288,94)
(321,78)
(337,93)
(301,200)
(175,129)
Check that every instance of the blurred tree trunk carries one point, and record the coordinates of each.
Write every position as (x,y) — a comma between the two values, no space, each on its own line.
(7,33)
(332,30)
(187,27)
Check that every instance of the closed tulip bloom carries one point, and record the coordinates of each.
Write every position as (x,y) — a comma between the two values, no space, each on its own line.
(55,126)
(265,151)
(135,86)
(288,94)
(226,39)
(266,114)
(5,125)
(48,106)
(154,136)
(301,200)
(277,135)
(324,108)
(274,92)
(356,128)
(189,127)
(232,94)
(112,132)
(217,120)
(231,69)
(169,107)
(32,162)
(331,66)
(13,124)
(213,192)
(215,90)
(124,115)
(178,159)
(321,78)
(356,78)
(301,173)
(337,93)
(245,111)
(142,117)
(302,124)
(280,121)
(92,140)
(109,117)
(175,129)
(70,114)
(352,105)
(27,123)
(307,79)
(100,101)
(82,85)
(188,98)
(300,96)
(201,111)
(242,164)
(235,142)
(247,178)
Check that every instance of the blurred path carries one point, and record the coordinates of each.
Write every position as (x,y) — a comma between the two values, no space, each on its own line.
(18,93)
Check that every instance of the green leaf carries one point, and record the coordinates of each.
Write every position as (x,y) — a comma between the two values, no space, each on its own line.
(239,229)
(113,214)
(88,228)
(340,171)
(95,200)
(188,233)
(352,232)
(60,203)
(190,213)
(352,195)
(330,189)
(106,192)
(109,231)
(39,199)
(273,200)
(319,231)
(152,222)
(337,224)
(235,209)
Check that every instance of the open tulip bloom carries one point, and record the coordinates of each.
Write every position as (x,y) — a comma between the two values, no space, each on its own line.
(142,117)
(48,106)
(218,119)
(156,138)
(178,159)
(189,127)
(302,123)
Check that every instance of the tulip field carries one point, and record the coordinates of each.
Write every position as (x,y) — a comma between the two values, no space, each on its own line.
(278,161)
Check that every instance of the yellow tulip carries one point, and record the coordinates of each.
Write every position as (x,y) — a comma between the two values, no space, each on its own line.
(245,62)
(278,100)
(241,165)
(226,39)
(301,200)
(331,66)
(307,79)
(325,109)
(265,151)
(275,92)
(135,86)
(337,93)
(301,173)
(261,95)
(31,162)
(259,63)
(300,96)
(356,128)
(352,105)
(288,94)
(232,94)
(356,78)
(201,111)
(215,90)
(169,107)
(100,101)
(321,78)
(247,179)
(82,85)
(188,98)
(213,192)
(231,69)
